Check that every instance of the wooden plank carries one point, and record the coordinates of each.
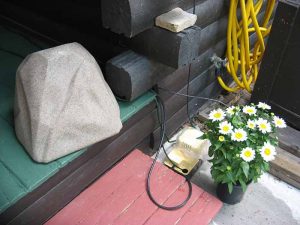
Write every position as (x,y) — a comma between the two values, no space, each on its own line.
(176,49)
(9,184)
(128,202)
(164,182)
(287,167)
(289,140)
(161,216)
(55,193)
(200,213)
(19,163)
(99,191)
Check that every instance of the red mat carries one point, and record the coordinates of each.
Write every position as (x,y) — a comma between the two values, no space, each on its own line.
(119,198)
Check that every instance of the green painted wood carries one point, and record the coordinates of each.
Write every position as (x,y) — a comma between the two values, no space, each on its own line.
(11,188)
(19,174)
(16,160)
(128,109)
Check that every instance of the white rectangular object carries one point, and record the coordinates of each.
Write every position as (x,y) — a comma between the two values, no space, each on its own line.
(176,20)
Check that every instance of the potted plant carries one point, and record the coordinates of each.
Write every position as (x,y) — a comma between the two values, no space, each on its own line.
(243,140)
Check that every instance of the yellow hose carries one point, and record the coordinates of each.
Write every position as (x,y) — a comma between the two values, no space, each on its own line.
(244,59)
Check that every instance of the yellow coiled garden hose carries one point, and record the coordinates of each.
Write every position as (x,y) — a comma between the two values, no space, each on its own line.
(243,59)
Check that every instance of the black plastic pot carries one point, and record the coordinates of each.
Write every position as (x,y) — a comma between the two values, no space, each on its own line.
(235,197)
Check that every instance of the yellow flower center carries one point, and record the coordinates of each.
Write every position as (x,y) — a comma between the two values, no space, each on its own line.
(226,128)
(221,138)
(248,154)
(249,110)
(279,122)
(251,125)
(263,126)
(238,135)
(218,115)
(267,151)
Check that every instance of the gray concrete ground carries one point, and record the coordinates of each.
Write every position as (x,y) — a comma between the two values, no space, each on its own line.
(270,201)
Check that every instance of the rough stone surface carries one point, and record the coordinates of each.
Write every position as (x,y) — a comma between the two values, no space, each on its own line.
(176,20)
(63,103)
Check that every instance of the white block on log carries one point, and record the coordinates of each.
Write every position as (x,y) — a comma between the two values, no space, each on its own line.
(176,20)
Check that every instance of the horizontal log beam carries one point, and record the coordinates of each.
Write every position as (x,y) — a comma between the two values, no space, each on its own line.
(130,17)
(201,64)
(172,49)
(129,74)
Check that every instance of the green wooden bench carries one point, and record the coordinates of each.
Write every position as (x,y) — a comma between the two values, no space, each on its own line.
(19,174)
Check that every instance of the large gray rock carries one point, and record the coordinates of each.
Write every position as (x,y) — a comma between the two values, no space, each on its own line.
(63,103)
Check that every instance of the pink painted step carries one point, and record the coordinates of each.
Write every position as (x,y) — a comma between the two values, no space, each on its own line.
(119,198)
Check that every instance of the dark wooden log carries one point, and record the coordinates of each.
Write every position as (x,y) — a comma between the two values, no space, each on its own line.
(209,11)
(212,34)
(180,116)
(103,46)
(199,83)
(129,74)
(201,64)
(172,49)
(130,17)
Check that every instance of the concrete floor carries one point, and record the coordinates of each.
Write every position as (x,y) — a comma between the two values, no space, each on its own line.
(270,201)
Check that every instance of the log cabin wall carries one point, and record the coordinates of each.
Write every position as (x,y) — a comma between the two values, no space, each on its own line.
(134,54)
(130,70)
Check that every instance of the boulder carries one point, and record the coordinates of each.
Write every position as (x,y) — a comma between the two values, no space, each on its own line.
(63,103)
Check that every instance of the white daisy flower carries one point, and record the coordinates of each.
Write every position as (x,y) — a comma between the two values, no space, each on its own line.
(225,127)
(268,152)
(216,115)
(250,110)
(251,124)
(230,110)
(279,122)
(263,105)
(247,154)
(239,135)
(263,125)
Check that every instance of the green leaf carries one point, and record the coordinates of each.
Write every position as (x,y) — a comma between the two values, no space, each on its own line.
(224,153)
(229,176)
(245,168)
(266,166)
(243,184)
(238,172)
(217,145)
(230,187)
(219,160)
